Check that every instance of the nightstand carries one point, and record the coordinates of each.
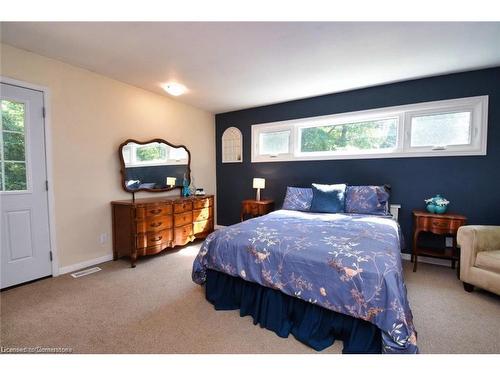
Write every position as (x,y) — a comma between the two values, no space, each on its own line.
(253,208)
(440,224)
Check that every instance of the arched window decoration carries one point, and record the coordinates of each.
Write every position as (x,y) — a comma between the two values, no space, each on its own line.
(232,149)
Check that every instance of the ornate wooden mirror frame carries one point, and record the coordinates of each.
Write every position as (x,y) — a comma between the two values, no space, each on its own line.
(157,140)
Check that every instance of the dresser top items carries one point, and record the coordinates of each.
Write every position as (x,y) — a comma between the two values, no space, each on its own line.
(159,200)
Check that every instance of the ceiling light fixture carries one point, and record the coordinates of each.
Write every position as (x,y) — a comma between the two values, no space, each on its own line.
(174,88)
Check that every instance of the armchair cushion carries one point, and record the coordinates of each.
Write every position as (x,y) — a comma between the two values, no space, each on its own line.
(489,260)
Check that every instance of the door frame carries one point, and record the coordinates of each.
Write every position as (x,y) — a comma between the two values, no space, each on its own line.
(48,162)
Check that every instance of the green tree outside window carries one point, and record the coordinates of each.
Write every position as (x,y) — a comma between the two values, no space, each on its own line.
(12,152)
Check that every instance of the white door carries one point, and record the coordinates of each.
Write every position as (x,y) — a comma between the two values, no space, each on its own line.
(24,216)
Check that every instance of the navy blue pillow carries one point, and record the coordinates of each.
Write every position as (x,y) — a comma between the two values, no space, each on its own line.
(328,198)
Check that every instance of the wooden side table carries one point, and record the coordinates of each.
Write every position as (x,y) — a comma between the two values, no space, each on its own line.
(440,224)
(253,208)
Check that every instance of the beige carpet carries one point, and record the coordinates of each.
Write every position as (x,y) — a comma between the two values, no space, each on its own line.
(156,308)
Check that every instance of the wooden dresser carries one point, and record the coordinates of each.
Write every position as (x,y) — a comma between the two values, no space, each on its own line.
(150,225)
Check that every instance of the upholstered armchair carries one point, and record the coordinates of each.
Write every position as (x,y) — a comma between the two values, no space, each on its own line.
(480,257)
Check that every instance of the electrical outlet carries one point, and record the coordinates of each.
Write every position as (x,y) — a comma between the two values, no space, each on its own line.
(103,238)
(449,241)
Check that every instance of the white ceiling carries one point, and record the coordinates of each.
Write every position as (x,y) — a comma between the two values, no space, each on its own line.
(228,66)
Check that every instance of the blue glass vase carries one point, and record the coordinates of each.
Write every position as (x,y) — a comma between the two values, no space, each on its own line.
(441,209)
(185,187)
(437,204)
(431,208)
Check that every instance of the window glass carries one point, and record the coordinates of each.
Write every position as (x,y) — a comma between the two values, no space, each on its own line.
(13,147)
(177,153)
(274,143)
(151,153)
(351,137)
(445,129)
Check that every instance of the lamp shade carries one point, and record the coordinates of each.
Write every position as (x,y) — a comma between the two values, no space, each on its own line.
(259,183)
(171,181)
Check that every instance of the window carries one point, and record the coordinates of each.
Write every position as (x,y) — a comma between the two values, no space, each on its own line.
(152,153)
(12,147)
(274,143)
(442,128)
(232,146)
(358,137)
(136,155)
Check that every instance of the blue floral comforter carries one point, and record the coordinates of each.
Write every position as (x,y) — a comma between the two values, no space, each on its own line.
(347,263)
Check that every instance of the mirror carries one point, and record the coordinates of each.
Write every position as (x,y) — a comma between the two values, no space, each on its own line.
(155,165)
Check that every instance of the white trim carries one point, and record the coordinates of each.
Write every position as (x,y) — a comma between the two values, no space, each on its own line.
(84,264)
(217,226)
(477,105)
(429,260)
(48,162)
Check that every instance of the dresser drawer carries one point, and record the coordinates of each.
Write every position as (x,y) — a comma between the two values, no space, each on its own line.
(183,207)
(251,208)
(154,224)
(439,225)
(153,239)
(203,226)
(203,203)
(202,214)
(183,219)
(183,235)
(153,210)
(449,226)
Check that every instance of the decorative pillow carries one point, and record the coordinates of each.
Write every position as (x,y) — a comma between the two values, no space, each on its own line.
(328,198)
(298,199)
(371,200)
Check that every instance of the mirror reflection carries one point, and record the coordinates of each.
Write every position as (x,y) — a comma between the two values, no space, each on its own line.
(154,165)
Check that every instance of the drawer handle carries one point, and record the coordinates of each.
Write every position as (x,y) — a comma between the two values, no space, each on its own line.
(157,238)
(154,225)
(155,211)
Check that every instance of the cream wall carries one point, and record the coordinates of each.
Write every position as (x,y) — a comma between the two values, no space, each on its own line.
(90,116)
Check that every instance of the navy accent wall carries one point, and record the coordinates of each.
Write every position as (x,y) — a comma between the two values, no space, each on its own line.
(471,183)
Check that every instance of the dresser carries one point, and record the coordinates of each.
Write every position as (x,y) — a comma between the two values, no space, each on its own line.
(148,226)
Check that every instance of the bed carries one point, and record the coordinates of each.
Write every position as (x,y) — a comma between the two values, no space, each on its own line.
(317,276)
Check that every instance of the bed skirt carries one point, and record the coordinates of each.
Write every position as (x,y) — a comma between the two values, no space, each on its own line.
(312,325)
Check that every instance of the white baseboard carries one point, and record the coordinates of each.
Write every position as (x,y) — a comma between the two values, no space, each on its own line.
(217,226)
(436,261)
(84,264)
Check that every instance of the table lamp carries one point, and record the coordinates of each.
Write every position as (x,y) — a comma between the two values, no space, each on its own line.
(259,183)
(171,181)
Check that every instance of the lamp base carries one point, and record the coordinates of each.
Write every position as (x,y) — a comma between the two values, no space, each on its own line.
(257,197)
